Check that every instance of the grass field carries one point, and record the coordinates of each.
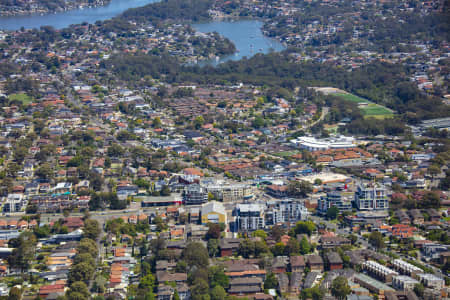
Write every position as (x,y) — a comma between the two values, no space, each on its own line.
(352,98)
(22,97)
(375,110)
(371,109)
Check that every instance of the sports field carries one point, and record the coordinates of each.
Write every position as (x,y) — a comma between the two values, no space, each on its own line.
(369,109)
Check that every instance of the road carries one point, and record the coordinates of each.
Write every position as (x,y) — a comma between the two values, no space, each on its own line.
(322,116)
(100,216)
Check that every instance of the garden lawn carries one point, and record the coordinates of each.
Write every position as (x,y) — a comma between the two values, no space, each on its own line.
(22,97)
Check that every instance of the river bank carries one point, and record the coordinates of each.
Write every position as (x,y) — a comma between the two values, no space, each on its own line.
(64,19)
(51,8)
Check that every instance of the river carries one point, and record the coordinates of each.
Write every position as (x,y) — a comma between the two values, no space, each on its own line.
(75,16)
(245,34)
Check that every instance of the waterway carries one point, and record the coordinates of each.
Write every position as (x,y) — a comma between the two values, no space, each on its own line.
(246,36)
(76,16)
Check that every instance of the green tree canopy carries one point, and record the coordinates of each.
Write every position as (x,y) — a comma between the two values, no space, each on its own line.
(91,229)
(195,254)
(340,288)
(376,239)
(271,282)
(332,213)
(306,227)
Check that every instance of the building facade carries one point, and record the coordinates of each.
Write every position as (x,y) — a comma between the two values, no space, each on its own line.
(371,197)
(214,212)
(341,200)
(194,194)
(285,211)
(230,192)
(249,217)
(403,282)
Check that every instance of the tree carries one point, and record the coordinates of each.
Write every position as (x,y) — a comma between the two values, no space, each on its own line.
(260,233)
(195,254)
(340,288)
(332,213)
(305,247)
(75,296)
(299,188)
(306,227)
(115,150)
(213,247)
(376,239)
(278,249)
(434,170)
(165,190)
(430,199)
(76,288)
(353,238)
(260,248)
(315,293)
(246,248)
(91,229)
(115,203)
(198,122)
(156,123)
(292,247)
(84,257)
(45,171)
(87,245)
(216,276)
(96,181)
(147,282)
(15,293)
(20,153)
(199,289)
(258,122)
(419,289)
(271,282)
(317,181)
(176,296)
(181,267)
(160,224)
(276,232)
(214,231)
(24,252)
(218,293)
(81,272)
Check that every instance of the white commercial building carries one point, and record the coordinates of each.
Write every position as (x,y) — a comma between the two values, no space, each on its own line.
(226,192)
(312,144)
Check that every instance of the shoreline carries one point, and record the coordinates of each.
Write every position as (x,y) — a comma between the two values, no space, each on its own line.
(44,11)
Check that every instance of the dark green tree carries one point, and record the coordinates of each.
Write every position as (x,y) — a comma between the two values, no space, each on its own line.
(195,254)
(332,213)
(376,239)
(340,288)
(271,282)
